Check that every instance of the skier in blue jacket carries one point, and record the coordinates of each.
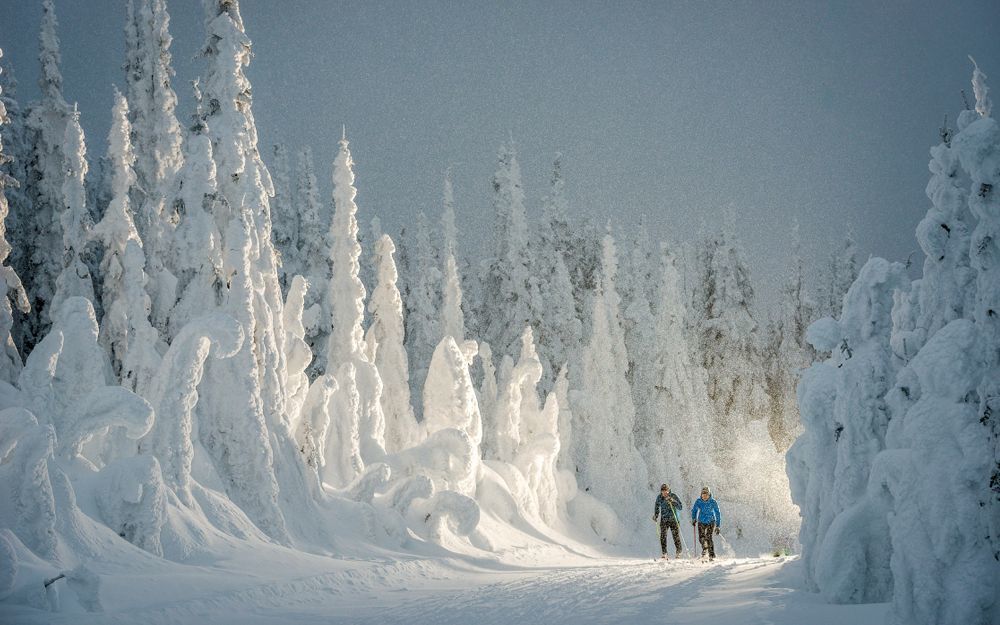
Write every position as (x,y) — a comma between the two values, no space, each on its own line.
(706,517)
(665,509)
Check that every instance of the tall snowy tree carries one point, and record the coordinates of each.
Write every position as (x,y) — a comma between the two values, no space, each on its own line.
(346,353)
(509,292)
(385,340)
(17,147)
(452,315)
(845,420)
(791,353)
(74,279)
(125,328)
(558,330)
(638,322)
(674,426)
(841,273)
(285,218)
(197,246)
(10,283)
(728,341)
(157,141)
(47,122)
(423,305)
(314,250)
(608,465)
(244,405)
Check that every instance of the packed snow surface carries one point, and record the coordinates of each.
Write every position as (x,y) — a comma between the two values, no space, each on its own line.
(538,584)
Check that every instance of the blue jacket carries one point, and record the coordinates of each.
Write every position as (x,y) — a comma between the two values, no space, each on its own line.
(661,509)
(706,512)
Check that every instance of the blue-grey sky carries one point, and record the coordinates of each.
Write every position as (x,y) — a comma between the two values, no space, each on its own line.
(820,112)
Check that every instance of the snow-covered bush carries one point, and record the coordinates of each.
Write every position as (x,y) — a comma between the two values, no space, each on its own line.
(845,418)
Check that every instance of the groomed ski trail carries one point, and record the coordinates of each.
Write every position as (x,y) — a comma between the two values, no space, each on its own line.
(725,592)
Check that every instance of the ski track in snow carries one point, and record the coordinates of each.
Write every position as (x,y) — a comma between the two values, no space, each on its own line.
(741,591)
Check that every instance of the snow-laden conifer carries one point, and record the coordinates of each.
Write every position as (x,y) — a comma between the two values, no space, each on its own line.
(314,251)
(423,314)
(792,353)
(244,400)
(10,284)
(508,290)
(197,240)
(385,340)
(157,142)
(558,329)
(125,328)
(843,412)
(346,295)
(74,279)
(608,465)
(47,122)
(677,423)
(285,217)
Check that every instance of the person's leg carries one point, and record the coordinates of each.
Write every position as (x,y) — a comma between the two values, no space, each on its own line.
(677,536)
(663,538)
(701,540)
(709,533)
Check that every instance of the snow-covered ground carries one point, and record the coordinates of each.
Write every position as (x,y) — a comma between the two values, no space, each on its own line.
(533,585)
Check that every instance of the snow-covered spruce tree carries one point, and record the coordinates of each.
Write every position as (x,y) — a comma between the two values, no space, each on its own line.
(157,142)
(845,418)
(314,250)
(678,424)
(639,324)
(17,147)
(943,435)
(452,315)
(74,279)
(841,273)
(509,293)
(242,404)
(125,328)
(452,309)
(285,217)
(197,242)
(558,330)
(385,341)
(346,346)
(791,352)
(728,342)
(10,283)
(946,284)
(608,465)
(423,314)
(979,151)
(47,122)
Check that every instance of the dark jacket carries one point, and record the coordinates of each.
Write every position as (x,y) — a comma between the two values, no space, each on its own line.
(661,509)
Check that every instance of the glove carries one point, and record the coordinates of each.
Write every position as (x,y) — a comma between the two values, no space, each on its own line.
(693,523)
(654,518)
(716,530)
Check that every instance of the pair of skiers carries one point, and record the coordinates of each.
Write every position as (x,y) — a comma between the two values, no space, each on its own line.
(705,516)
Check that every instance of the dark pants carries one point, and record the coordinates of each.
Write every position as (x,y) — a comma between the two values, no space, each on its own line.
(705,532)
(671,524)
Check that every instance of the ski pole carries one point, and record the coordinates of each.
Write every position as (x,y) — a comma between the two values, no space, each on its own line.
(678,522)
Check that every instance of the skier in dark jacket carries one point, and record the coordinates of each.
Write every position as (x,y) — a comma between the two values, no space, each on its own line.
(706,517)
(665,509)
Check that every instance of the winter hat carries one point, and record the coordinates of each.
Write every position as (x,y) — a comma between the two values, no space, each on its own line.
(664,487)
(706,489)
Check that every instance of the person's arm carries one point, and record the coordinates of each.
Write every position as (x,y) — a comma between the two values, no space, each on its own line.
(694,512)
(718,514)
(677,501)
(656,508)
